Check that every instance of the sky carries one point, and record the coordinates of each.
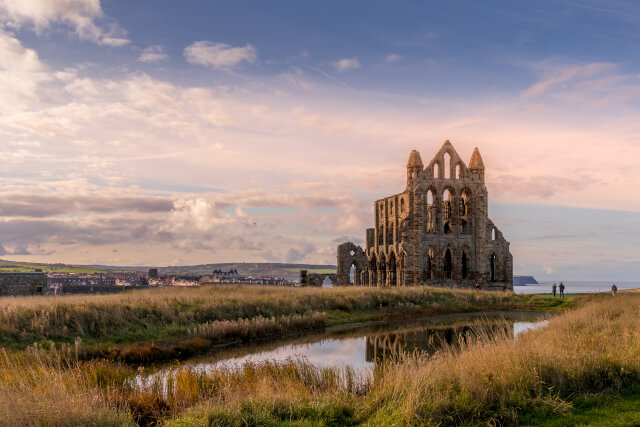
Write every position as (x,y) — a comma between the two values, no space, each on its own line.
(159,132)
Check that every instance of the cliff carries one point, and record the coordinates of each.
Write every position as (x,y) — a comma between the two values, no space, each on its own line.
(524,280)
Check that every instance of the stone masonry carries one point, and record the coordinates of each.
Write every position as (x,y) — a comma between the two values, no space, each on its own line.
(436,232)
(23,283)
(316,279)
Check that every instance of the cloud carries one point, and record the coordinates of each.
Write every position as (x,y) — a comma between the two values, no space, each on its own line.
(297,78)
(559,76)
(85,17)
(219,55)
(15,57)
(299,253)
(36,203)
(562,237)
(153,54)
(346,64)
(539,186)
(601,86)
(392,58)
(114,41)
(61,216)
(293,172)
(21,74)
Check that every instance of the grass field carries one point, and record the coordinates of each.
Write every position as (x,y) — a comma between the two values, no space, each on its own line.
(49,269)
(10,266)
(601,410)
(582,369)
(167,314)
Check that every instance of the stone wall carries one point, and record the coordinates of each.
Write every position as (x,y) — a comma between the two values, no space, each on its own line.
(23,283)
(316,279)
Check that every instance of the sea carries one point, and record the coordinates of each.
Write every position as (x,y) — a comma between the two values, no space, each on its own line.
(574,287)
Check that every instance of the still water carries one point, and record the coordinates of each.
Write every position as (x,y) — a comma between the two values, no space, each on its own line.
(361,346)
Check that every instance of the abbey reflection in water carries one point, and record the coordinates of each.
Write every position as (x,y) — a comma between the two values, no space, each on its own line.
(385,347)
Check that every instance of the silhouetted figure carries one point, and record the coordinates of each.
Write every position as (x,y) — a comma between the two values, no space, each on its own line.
(561,290)
(553,290)
(614,290)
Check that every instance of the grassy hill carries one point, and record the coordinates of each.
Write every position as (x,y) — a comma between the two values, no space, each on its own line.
(255,269)
(289,271)
(57,268)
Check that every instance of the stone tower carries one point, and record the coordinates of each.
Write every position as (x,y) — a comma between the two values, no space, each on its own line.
(437,231)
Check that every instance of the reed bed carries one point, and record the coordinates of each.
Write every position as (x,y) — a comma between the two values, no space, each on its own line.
(201,338)
(595,349)
(50,390)
(289,384)
(170,312)
(480,380)
(260,327)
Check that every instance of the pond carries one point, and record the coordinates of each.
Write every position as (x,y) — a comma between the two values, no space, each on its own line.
(362,346)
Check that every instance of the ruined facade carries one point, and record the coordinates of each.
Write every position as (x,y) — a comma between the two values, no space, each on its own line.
(435,232)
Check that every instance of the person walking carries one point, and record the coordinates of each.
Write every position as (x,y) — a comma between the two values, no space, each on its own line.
(614,290)
(561,290)
(553,289)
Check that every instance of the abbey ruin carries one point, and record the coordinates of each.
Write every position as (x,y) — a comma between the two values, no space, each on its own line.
(436,232)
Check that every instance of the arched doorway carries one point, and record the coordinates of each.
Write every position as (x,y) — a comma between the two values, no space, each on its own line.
(392,270)
(382,270)
(448,273)
(429,267)
(464,263)
(426,270)
(431,213)
(373,271)
(447,202)
(494,262)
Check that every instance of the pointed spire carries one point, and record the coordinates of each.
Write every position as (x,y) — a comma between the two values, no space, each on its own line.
(476,160)
(415,160)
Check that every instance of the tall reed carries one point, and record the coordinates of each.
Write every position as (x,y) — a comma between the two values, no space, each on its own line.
(46,389)
(481,379)
(202,337)
(595,349)
(158,313)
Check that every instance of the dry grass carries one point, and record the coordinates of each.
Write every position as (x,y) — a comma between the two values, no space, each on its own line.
(290,384)
(480,381)
(486,380)
(202,337)
(595,349)
(47,390)
(165,313)
(259,327)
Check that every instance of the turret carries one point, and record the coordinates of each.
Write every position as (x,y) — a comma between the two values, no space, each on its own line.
(414,167)
(476,165)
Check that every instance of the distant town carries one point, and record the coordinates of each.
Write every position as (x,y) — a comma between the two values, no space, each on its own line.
(73,283)
(62,279)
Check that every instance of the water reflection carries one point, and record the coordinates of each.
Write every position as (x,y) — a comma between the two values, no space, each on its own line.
(391,346)
(360,347)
